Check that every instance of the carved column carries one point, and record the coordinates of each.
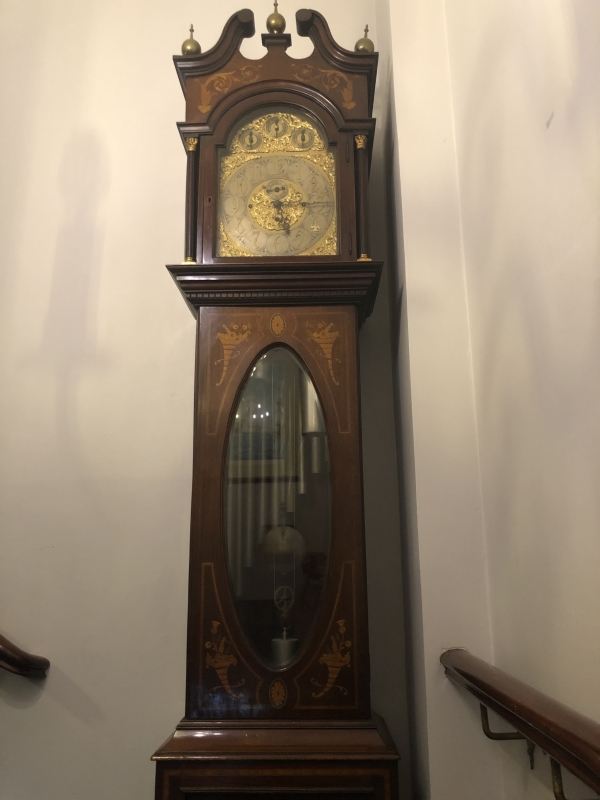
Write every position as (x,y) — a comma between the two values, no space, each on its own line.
(191,198)
(362,194)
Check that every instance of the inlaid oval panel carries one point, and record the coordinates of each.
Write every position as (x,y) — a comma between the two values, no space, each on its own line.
(278,506)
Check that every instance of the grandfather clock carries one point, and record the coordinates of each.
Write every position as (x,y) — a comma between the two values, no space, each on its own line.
(277,272)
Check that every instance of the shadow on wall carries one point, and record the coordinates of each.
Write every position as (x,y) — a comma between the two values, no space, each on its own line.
(18,691)
(404,450)
(383,520)
(70,331)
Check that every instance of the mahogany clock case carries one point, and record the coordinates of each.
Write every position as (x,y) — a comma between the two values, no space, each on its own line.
(254,725)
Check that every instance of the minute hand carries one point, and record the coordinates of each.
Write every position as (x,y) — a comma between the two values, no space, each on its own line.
(305,203)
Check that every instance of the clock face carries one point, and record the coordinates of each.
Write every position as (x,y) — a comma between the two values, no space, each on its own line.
(277,189)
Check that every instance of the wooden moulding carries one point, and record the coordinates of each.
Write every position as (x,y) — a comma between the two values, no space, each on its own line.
(567,736)
(323,758)
(312,24)
(238,27)
(13,659)
(286,740)
(308,23)
(340,283)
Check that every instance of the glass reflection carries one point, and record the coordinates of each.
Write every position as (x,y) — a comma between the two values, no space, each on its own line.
(278,506)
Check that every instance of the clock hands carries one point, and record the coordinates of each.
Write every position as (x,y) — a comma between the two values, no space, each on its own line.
(279,216)
(307,203)
(281,205)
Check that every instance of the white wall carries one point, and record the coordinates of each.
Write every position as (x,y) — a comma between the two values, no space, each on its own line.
(445,543)
(527,114)
(495,123)
(96,376)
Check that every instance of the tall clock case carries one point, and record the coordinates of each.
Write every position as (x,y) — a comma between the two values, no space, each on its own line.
(278,273)
(323,162)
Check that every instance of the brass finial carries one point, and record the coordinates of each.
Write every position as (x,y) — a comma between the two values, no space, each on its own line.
(191,47)
(276,21)
(364,45)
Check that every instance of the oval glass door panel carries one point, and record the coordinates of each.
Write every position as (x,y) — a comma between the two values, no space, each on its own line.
(278,506)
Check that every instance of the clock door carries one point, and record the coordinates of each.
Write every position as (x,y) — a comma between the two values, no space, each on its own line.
(277,590)
(277,187)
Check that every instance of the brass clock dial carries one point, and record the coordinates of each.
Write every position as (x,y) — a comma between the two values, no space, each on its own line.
(277,190)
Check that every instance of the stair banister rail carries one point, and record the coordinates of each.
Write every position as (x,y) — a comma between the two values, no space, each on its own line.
(13,659)
(570,739)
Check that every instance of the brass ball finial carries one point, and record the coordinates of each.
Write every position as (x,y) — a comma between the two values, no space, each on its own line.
(364,45)
(191,47)
(276,21)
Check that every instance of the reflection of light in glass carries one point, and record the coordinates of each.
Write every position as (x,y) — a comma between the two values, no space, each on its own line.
(237,416)
(259,405)
(253,416)
(267,413)
(262,416)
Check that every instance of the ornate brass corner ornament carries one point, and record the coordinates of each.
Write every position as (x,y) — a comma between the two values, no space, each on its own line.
(327,246)
(330,79)
(220,659)
(227,247)
(325,337)
(361,141)
(277,324)
(222,82)
(230,340)
(337,657)
(278,693)
(191,143)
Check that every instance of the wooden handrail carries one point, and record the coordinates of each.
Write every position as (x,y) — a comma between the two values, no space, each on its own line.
(13,659)
(568,737)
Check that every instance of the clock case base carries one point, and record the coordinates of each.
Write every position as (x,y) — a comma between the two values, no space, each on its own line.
(243,760)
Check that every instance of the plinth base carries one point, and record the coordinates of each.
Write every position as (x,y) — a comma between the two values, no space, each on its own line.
(242,760)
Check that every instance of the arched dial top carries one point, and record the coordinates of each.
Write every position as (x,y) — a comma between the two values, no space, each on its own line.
(278,507)
(277,188)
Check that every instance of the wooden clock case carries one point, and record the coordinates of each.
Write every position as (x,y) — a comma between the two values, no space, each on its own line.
(249,728)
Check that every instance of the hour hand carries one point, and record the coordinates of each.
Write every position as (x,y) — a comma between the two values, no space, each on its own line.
(306,203)
(277,205)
